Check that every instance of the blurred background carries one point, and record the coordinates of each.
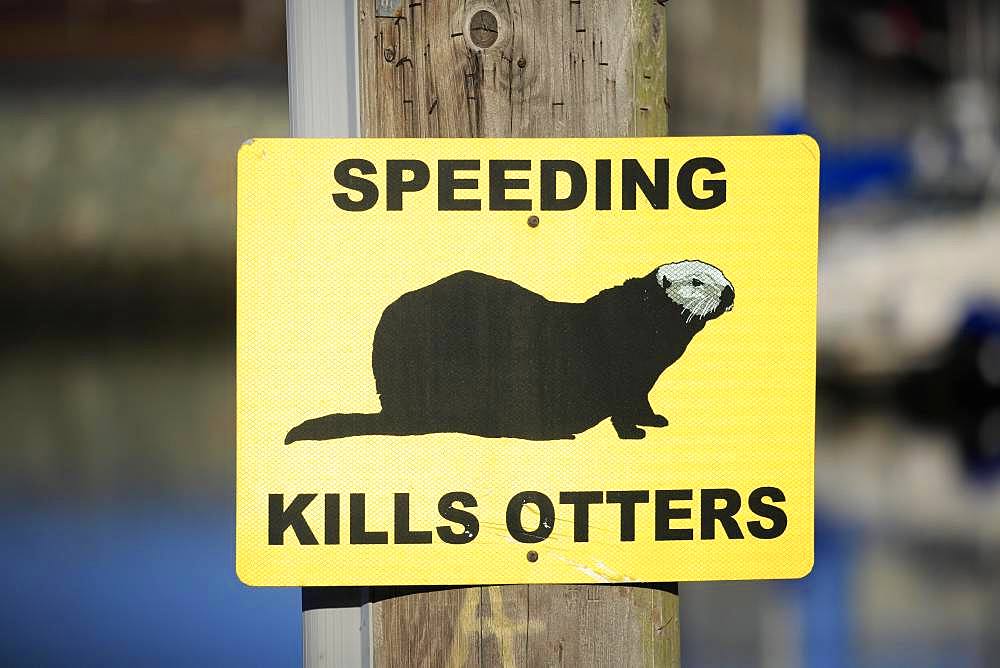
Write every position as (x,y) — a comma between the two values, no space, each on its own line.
(119,124)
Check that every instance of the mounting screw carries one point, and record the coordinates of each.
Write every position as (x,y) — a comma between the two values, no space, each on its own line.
(532,556)
(521,62)
(389,54)
(532,221)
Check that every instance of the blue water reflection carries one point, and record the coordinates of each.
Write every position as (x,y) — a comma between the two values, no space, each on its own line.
(140,586)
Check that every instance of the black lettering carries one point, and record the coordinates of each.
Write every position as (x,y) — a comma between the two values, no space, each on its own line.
(331,519)
(577,185)
(280,518)
(779,521)
(546,517)
(710,514)
(715,187)
(500,183)
(664,513)
(369,191)
(402,534)
(359,535)
(627,500)
(635,178)
(469,522)
(448,184)
(395,186)
(581,512)
(602,185)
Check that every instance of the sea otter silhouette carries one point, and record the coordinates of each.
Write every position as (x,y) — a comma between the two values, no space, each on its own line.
(480,355)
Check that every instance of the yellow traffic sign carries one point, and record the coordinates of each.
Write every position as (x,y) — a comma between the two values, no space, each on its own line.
(487,361)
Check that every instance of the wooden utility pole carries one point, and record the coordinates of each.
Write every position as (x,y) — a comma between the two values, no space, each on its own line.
(512,68)
(517,68)
(521,68)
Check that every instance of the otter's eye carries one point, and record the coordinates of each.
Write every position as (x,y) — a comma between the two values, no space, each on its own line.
(666,283)
(695,282)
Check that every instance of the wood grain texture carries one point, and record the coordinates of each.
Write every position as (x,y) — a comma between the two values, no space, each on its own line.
(527,625)
(558,68)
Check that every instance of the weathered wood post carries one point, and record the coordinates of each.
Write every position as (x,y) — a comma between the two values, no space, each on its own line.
(517,68)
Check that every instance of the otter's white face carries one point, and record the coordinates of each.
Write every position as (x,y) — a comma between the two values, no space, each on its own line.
(697,287)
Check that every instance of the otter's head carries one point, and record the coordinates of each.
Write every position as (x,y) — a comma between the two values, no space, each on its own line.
(700,289)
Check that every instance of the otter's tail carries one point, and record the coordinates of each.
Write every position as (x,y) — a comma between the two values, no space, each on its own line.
(342,425)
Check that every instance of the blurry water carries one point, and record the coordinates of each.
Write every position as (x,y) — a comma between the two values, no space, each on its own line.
(117,482)
(144,583)
(907,567)
(117,371)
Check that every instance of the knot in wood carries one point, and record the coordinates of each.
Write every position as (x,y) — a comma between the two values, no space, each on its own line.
(483,31)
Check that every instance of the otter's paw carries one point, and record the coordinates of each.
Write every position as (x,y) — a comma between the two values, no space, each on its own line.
(629,431)
(655,420)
